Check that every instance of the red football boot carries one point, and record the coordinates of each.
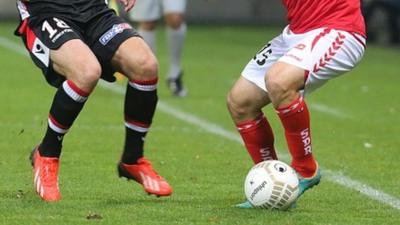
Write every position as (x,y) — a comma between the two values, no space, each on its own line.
(143,173)
(45,179)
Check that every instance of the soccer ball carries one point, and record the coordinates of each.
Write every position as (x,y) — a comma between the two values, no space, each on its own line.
(271,184)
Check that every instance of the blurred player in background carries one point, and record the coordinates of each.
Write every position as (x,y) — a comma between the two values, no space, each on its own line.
(75,43)
(147,13)
(323,40)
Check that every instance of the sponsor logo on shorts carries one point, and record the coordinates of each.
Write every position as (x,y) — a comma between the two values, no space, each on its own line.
(68,30)
(300,46)
(295,57)
(111,33)
(41,52)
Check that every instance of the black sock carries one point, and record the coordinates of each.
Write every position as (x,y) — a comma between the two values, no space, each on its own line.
(67,103)
(140,104)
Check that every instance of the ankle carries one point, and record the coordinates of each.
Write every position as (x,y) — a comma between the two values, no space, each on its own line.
(307,169)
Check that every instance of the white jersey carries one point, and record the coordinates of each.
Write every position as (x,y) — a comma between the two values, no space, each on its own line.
(150,10)
(323,53)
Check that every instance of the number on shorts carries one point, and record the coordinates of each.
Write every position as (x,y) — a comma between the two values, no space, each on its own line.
(52,31)
(262,55)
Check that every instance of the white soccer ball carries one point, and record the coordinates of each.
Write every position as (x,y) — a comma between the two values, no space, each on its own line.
(271,184)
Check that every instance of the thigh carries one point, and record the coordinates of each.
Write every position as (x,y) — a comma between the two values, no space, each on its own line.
(75,61)
(324,54)
(135,60)
(245,100)
(42,37)
(257,68)
(247,93)
(146,10)
(174,6)
(105,36)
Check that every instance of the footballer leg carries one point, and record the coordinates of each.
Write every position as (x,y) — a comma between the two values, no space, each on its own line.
(147,29)
(284,82)
(69,65)
(245,101)
(81,71)
(135,60)
(176,34)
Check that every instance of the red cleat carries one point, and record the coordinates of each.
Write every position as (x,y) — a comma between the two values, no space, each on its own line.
(45,179)
(143,173)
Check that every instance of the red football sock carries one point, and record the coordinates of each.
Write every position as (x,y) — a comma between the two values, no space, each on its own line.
(258,138)
(296,122)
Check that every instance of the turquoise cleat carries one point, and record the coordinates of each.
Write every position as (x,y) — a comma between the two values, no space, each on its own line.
(244,205)
(307,183)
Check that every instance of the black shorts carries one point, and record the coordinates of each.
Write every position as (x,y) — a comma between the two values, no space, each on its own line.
(103,33)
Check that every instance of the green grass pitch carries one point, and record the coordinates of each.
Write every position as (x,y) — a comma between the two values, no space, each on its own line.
(355,125)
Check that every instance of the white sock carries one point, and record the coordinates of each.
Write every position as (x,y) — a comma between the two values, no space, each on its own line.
(150,38)
(176,39)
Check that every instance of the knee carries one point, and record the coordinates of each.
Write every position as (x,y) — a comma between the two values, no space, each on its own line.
(275,87)
(147,68)
(91,72)
(147,25)
(279,91)
(174,20)
(238,108)
(87,74)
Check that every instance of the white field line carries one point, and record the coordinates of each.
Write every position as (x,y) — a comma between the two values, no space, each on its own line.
(217,130)
(330,111)
(11,45)
(188,118)
(220,131)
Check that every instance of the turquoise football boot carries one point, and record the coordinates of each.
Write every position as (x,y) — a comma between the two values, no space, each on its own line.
(307,183)
(244,205)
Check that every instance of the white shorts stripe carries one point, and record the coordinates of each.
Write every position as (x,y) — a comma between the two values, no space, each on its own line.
(23,11)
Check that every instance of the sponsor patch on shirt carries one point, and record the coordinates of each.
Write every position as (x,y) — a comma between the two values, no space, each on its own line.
(111,33)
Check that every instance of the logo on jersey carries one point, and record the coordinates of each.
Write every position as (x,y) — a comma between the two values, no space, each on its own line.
(111,33)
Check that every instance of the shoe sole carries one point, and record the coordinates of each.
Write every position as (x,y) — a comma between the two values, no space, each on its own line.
(311,186)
